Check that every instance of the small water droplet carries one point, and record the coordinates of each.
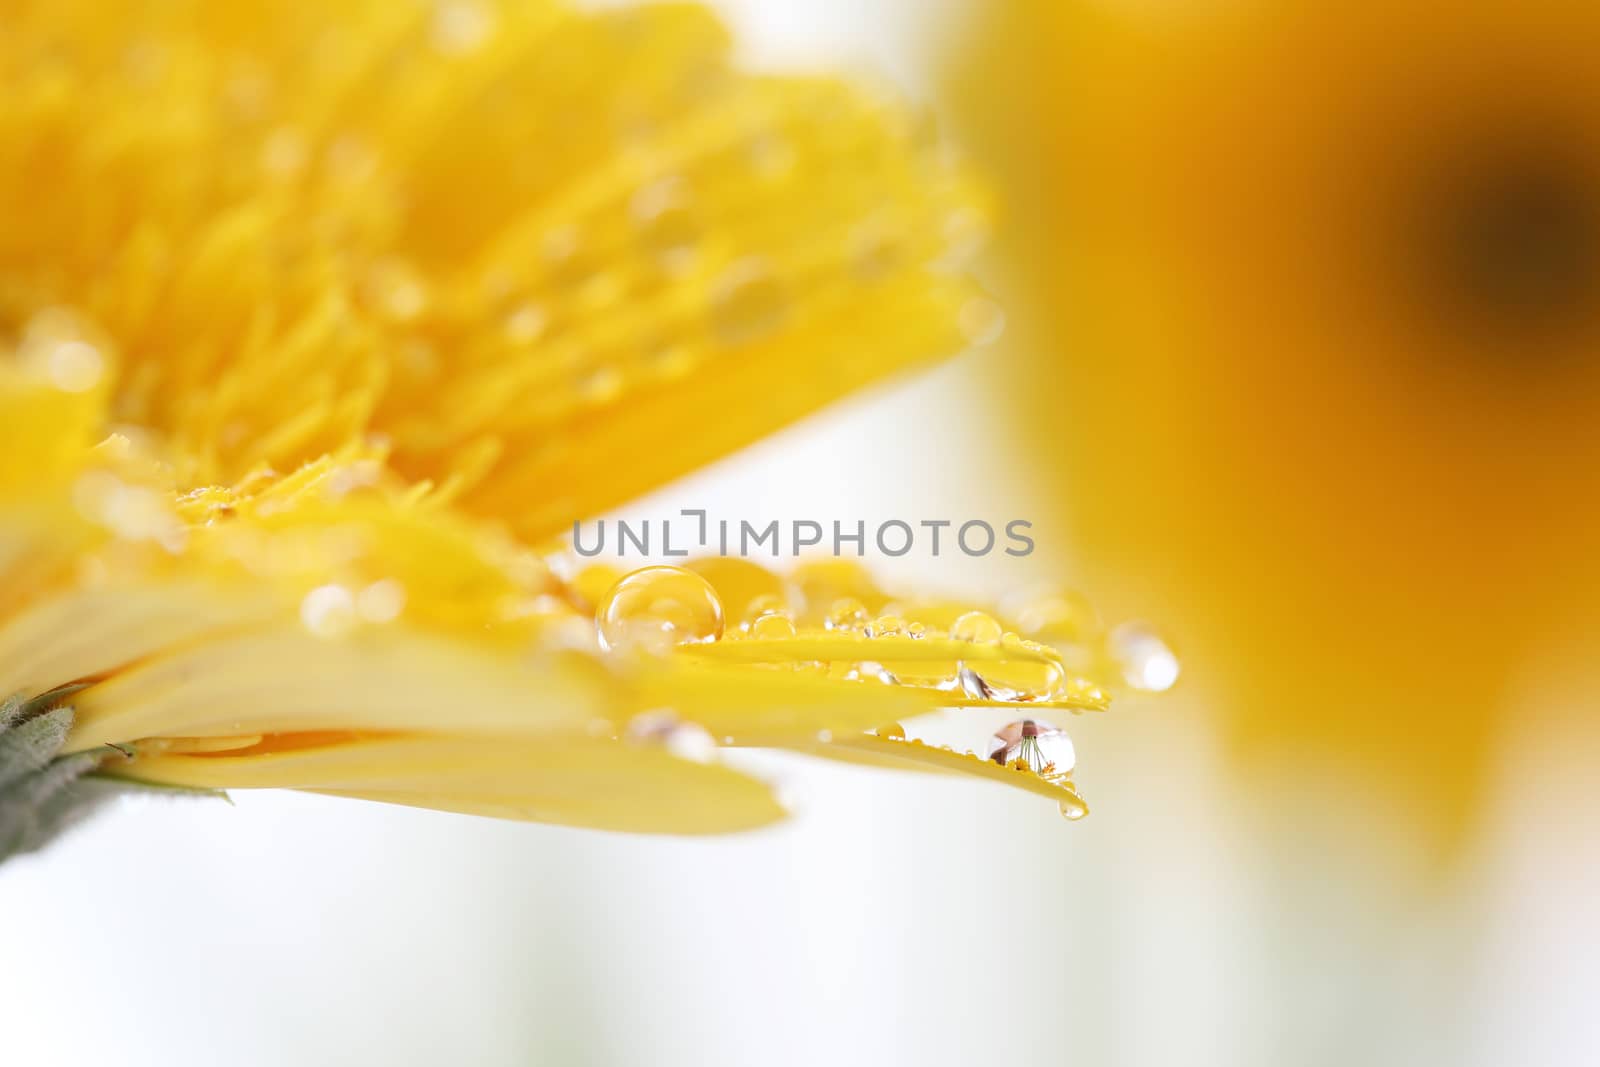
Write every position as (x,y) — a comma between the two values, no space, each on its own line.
(873,671)
(886,626)
(1073,809)
(526,323)
(663,214)
(328,611)
(846,613)
(773,626)
(382,601)
(1147,663)
(461,27)
(747,302)
(657,607)
(977,627)
(892,730)
(981,321)
(686,740)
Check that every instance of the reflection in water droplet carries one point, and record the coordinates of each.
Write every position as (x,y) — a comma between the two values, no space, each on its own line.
(1043,749)
(747,303)
(657,607)
(1073,809)
(328,611)
(846,613)
(1146,661)
(977,627)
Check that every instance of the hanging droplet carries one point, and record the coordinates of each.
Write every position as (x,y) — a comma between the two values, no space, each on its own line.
(1073,808)
(747,303)
(846,613)
(1147,663)
(977,627)
(1043,749)
(657,607)
(773,626)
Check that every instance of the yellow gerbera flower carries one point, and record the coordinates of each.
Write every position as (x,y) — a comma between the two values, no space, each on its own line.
(1318,285)
(318,319)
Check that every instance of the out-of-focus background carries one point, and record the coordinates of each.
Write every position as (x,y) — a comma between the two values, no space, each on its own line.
(1193,919)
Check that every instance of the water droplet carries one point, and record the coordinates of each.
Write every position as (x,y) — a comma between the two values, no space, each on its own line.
(657,607)
(666,221)
(328,611)
(773,626)
(887,626)
(916,630)
(1022,679)
(846,613)
(873,671)
(382,601)
(1073,809)
(526,323)
(981,321)
(892,730)
(747,302)
(461,27)
(1043,749)
(686,740)
(977,627)
(1147,663)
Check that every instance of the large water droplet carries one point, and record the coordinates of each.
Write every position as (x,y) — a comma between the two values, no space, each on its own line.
(1043,749)
(657,607)
(1146,661)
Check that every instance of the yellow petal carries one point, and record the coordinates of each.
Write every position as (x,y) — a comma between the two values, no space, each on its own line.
(602,784)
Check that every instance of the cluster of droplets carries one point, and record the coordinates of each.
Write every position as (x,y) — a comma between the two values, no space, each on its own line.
(660,608)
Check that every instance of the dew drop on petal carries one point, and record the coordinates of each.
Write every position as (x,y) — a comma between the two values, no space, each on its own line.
(892,730)
(886,626)
(1147,663)
(659,606)
(1073,809)
(381,601)
(686,740)
(773,626)
(747,303)
(846,613)
(981,321)
(328,611)
(977,627)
